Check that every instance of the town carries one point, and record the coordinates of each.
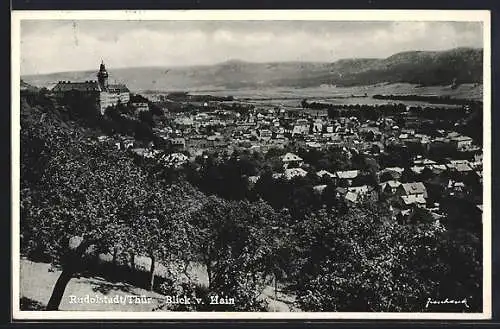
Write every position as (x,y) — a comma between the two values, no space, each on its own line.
(409,157)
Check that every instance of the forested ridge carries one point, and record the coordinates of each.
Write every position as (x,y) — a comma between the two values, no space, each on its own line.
(424,68)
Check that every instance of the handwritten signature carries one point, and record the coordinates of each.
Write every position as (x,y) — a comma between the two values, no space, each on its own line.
(446,301)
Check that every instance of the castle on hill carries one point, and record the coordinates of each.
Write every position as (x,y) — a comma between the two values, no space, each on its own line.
(105,94)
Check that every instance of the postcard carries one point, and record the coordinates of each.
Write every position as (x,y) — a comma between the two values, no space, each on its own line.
(298,164)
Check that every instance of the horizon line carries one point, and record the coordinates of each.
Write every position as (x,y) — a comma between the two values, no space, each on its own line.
(248,62)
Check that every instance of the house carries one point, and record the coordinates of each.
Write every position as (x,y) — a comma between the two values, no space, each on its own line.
(389,188)
(423,162)
(411,201)
(456,187)
(140,106)
(356,193)
(352,196)
(178,143)
(301,127)
(317,126)
(459,166)
(290,160)
(294,172)
(346,177)
(265,134)
(438,168)
(323,173)
(417,169)
(416,188)
(461,142)
(252,180)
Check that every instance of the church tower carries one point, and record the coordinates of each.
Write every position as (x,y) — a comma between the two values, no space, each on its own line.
(102,77)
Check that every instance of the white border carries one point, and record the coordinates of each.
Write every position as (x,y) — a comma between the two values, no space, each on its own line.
(339,15)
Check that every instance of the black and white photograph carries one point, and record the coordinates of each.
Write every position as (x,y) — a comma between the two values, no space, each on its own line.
(251,164)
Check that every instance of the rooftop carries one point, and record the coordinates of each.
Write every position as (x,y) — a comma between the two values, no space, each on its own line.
(291,157)
(415,188)
(413,199)
(348,174)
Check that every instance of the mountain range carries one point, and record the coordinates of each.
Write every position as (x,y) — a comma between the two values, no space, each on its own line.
(425,68)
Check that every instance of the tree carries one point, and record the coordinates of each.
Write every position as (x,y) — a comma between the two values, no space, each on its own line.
(365,261)
(160,223)
(303,103)
(156,110)
(87,193)
(234,240)
(387,176)
(83,190)
(112,113)
(82,106)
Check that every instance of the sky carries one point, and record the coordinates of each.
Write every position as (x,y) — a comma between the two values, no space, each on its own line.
(73,45)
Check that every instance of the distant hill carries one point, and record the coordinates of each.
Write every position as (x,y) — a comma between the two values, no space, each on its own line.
(455,66)
(26,86)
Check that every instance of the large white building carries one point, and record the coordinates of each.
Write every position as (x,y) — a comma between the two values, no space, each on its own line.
(105,94)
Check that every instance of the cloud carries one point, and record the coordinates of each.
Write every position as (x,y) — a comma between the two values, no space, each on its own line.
(53,46)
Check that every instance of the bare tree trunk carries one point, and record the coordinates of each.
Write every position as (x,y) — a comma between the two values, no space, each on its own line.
(209,275)
(185,270)
(132,261)
(58,291)
(72,263)
(115,256)
(275,288)
(152,277)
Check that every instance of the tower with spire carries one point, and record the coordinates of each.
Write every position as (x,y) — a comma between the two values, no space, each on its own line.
(102,77)
(104,93)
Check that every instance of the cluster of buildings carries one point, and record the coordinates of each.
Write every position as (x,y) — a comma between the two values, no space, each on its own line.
(104,93)
(221,127)
(270,127)
(449,177)
(262,129)
(258,130)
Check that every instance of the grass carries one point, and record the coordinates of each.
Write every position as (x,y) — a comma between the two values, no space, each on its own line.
(466,91)
(38,279)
